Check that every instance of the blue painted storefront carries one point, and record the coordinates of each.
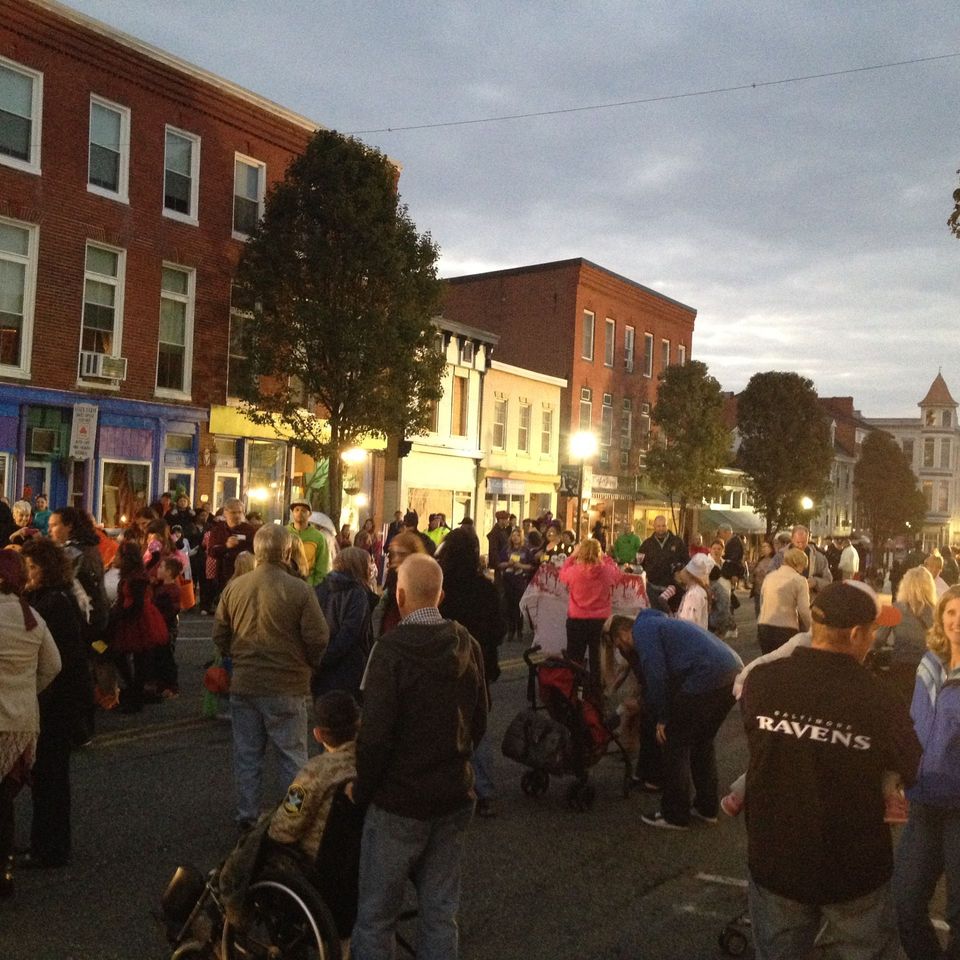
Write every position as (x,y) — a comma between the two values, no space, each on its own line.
(148,440)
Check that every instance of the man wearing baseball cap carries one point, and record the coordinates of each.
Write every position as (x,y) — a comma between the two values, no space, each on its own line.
(314,542)
(822,731)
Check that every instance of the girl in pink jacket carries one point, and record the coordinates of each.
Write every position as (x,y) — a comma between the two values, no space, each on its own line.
(590,576)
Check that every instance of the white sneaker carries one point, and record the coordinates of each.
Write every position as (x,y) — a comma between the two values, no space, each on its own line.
(697,815)
(658,820)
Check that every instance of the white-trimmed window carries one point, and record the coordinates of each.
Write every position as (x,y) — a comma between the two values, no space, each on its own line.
(586,408)
(18,283)
(945,454)
(664,354)
(648,354)
(609,345)
(629,337)
(499,424)
(181,175)
(124,489)
(681,353)
(460,408)
(21,106)
(102,326)
(109,160)
(249,184)
(929,445)
(586,346)
(523,429)
(626,424)
(236,352)
(908,451)
(645,426)
(175,336)
(606,421)
(546,433)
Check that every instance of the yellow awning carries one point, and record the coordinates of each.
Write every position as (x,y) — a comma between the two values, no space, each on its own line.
(232,422)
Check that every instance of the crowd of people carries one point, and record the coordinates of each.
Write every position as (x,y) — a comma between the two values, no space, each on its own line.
(849,713)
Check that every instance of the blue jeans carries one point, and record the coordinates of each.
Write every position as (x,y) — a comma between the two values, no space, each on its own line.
(861,929)
(929,846)
(281,721)
(395,849)
(483,783)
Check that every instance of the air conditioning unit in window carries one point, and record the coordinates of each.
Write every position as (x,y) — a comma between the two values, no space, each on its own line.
(100,365)
(43,440)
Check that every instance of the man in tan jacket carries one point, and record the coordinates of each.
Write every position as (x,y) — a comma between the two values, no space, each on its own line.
(272,626)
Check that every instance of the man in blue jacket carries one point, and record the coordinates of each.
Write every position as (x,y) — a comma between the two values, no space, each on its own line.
(687,676)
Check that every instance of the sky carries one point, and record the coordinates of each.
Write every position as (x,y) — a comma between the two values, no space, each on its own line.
(805,221)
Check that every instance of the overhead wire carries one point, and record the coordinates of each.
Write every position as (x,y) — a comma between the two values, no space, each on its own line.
(663,98)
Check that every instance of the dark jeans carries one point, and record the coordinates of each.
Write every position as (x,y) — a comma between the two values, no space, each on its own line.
(50,830)
(689,753)
(769,638)
(929,847)
(584,636)
(650,755)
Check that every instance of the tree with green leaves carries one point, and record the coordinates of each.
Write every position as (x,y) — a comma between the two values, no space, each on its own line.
(693,442)
(340,291)
(888,500)
(785,447)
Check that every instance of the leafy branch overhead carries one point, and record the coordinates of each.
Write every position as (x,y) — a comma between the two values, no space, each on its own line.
(339,291)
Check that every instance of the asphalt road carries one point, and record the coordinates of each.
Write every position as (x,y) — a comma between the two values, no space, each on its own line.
(540,880)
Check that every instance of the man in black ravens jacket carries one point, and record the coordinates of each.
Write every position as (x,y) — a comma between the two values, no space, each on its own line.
(664,554)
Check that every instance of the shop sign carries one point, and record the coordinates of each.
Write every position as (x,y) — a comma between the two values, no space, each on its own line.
(83,431)
(506,488)
(603,482)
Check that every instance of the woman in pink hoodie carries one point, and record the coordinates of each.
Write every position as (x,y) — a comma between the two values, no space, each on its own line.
(590,576)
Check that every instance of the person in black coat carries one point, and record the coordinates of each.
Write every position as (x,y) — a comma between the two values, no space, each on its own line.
(64,705)
(472,600)
(347,603)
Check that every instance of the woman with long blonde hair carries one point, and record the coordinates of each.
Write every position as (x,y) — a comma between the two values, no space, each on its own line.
(898,650)
(589,575)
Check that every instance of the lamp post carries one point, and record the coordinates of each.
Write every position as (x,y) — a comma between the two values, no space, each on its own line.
(583,445)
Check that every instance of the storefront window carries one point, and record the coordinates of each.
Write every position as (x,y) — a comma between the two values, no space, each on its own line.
(264,474)
(124,489)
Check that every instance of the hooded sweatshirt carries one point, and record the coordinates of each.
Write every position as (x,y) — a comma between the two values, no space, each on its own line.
(590,586)
(425,710)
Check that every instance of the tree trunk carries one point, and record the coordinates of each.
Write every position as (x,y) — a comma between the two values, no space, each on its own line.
(335,481)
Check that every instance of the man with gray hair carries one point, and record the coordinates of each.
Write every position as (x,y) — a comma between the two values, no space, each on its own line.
(425,711)
(271,624)
(229,539)
(818,569)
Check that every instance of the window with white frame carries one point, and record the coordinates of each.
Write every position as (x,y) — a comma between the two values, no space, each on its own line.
(629,336)
(466,353)
(181,175)
(109,160)
(21,104)
(102,300)
(546,432)
(249,183)
(681,353)
(664,354)
(945,454)
(499,424)
(124,489)
(648,354)
(586,408)
(626,424)
(606,421)
(908,450)
(946,419)
(943,496)
(645,426)
(586,346)
(18,275)
(928,451)
(460,408)
(174,350)
(523,429)
(610,334)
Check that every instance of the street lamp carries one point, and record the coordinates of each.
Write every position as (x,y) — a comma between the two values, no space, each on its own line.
(806,503)
(583,446)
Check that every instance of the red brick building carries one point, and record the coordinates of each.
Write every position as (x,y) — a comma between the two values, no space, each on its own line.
(610,338)
(128,182)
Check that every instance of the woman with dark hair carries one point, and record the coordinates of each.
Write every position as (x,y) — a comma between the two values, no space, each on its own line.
(347,603)
(64,705)
(132,591)
(366,538)
(471,599)
(73,530)
(157,545)
(28,663)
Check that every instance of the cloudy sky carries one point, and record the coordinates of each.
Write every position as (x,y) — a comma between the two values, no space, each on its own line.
(805,221)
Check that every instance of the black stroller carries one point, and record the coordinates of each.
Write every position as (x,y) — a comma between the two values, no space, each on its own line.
(564,734)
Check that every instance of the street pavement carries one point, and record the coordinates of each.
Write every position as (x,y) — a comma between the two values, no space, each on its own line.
(540,880)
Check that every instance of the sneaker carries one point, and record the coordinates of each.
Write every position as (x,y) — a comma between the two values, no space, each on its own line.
(647,786)
(733,634)
(896,808)
(702,817)
(731,804)
(658,820)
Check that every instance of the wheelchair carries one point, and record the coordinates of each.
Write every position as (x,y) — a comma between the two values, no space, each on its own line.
(294,909)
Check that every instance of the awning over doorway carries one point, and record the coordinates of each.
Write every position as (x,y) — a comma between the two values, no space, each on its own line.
(741,521)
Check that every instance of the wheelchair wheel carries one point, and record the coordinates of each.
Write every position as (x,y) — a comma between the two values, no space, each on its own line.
(287,918)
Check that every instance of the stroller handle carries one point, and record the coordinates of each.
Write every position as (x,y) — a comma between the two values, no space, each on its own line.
(529,652)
